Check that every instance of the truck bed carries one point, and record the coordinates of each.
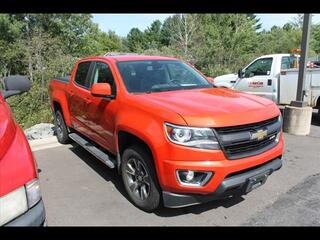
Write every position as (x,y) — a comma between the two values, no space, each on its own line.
(62,79)
(288,86)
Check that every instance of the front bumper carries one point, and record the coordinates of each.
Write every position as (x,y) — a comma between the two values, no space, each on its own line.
(35,216)
(230,186)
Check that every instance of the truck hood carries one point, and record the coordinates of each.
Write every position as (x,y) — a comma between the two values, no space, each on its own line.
(215,107)
(226,78)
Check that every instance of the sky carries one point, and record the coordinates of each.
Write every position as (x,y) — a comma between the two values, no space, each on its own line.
(122,23)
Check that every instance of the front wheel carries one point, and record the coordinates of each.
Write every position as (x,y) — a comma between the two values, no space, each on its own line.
(139,178)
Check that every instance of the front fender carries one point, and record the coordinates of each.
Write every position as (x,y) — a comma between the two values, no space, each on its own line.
(149,127)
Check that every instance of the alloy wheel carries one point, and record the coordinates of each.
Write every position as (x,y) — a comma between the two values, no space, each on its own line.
(138,179)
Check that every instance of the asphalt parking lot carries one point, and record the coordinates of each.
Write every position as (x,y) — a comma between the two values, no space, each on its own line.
(79,190)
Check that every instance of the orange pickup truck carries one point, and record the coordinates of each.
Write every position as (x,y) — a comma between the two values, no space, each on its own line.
(174,137)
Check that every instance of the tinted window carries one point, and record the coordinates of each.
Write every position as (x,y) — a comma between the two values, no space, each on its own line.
(82,72)
(103,74)
(259,67)
(160,75)
(289,62)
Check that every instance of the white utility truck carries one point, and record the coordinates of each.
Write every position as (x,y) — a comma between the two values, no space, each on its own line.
(274,77)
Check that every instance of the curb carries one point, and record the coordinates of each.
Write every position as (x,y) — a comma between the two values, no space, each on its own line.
(40,144)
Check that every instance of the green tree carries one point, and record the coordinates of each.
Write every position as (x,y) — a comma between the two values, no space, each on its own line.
(136,40)
(224,42)
(153,35)
(43,46)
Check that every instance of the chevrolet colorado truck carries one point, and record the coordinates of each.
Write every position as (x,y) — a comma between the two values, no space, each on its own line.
(175,138)
(20,197)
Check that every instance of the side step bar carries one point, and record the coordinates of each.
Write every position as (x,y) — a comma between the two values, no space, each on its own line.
(102,156)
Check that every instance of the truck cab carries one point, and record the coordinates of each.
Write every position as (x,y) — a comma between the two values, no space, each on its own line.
(275,77)
(260,77)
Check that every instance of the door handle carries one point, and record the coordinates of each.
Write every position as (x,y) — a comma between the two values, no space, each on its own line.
(269,82)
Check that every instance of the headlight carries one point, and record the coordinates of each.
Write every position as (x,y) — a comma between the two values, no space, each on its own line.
(19,201)
(191,136)
(33,192)
(13,205)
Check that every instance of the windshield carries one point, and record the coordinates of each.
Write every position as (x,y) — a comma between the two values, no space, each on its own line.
(147,76)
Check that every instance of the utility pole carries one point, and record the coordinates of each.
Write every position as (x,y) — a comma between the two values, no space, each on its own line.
(303,61)
(297,116)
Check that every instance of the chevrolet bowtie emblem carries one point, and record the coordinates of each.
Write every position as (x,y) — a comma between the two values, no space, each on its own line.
(259,135)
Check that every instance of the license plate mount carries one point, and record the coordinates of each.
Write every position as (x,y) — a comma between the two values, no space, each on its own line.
(256,181)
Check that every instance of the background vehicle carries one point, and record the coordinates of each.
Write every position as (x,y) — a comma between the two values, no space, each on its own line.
(20,197)
(152,118)
(275,77)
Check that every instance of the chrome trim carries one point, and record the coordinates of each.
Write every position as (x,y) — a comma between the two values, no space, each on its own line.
(203,183)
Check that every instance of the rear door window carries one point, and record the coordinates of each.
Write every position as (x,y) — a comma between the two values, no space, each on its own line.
(288,62)
(82,74)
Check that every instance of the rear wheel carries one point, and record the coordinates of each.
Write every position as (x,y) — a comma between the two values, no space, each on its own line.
(139,178)
(61,128)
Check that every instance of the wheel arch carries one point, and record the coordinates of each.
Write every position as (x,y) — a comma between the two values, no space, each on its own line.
(58,105)
(127,139)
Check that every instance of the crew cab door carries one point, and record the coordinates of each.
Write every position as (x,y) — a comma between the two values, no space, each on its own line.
(80,96)
(258,79)
(101,111)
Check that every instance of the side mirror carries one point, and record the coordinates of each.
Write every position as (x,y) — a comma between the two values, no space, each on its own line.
(101,90)
(15,85)
(210,79)
(240,73)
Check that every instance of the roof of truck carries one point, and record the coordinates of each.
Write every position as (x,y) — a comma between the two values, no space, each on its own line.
(120,58)
(138,57)
(273,55)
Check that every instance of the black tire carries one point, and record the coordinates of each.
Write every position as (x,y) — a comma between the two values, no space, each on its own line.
(61,128)
(152,200)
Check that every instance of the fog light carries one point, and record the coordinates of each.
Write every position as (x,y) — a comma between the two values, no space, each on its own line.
(193,178)
(190,175)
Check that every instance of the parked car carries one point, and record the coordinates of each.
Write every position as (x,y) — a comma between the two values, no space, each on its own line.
(20,197)
(174,137)
(275,77)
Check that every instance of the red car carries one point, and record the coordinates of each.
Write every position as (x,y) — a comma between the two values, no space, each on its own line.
(20,198)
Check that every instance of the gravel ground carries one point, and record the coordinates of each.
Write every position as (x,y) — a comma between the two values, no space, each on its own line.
(40,131)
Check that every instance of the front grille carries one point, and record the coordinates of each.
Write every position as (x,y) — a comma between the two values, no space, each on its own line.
(236,141)
(247,127)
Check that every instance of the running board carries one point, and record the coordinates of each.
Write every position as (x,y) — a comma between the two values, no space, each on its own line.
(103,157)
